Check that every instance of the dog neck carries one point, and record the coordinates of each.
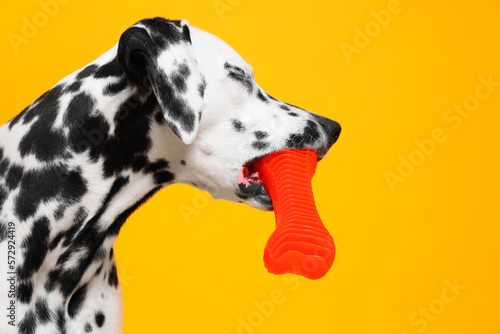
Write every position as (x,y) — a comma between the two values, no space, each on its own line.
(76,163)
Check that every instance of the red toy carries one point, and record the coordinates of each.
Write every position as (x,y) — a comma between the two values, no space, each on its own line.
(300,244)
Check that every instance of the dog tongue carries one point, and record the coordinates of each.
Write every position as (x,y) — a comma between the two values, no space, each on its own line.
(300,244)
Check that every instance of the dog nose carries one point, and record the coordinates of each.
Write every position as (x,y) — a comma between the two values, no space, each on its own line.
(331,128)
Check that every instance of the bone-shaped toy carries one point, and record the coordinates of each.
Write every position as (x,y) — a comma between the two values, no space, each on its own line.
(300,244)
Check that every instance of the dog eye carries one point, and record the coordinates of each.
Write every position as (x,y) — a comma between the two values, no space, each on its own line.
(238,72)
(235,70)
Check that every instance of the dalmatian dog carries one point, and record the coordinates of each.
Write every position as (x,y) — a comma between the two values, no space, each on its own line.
(169,103)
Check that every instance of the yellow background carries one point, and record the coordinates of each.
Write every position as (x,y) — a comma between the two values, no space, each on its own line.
(397,250)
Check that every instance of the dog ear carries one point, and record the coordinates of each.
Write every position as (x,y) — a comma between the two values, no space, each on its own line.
(158,53)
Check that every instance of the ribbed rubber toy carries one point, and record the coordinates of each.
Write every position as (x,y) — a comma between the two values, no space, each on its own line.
(300,244)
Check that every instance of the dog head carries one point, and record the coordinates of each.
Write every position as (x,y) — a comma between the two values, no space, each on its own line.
(222,120)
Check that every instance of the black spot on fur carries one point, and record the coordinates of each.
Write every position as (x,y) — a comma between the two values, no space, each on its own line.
(261,134)
(42,185)
(99,254)
(35,247)
(28,324)
(176,108)
(14,176)
(24,291)
(61,321)
(284,107)
(260,145)
(183,162)
(76,301)
(113,277)
(74,87)
(179,78)
(99,319)
(46,105)
(3,196)
(59,213)
(159,118)
(111,252)
(261,97)
(43,313)
(4,165)
(238,126)
(98,271)
(308,137)
(293,114)
(110,69)
(139,163)
(86,72)
(116,87)
(3,231)
(163,177)
(87,328)
(66,279)
(42,139)
(239,75)
(74,187)
(79,109)
(16,118)
(90,134)
(202,87)
(157,166)
(78,220)
(57,239)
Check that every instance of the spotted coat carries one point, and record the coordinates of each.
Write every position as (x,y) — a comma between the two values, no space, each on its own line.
(169,103)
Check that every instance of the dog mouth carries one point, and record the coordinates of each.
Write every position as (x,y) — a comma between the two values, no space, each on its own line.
(251,186)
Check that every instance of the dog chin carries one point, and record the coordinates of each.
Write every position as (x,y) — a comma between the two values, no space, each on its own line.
(260,202)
